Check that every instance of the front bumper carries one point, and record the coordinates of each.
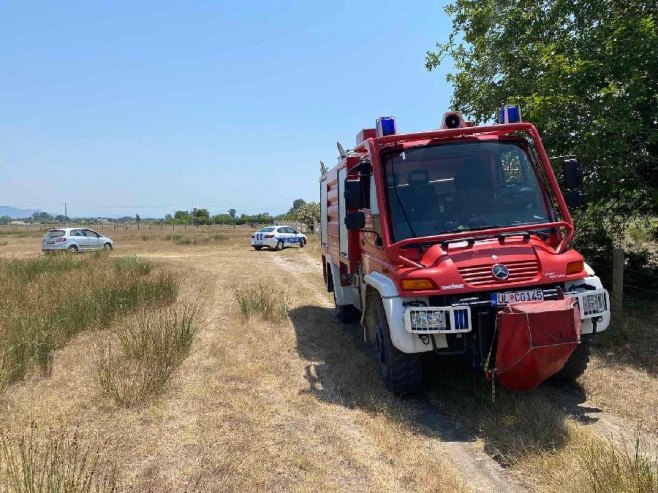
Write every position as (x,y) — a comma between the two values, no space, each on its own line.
(593,303)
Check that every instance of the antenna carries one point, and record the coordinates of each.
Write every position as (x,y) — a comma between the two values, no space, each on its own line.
(341,150)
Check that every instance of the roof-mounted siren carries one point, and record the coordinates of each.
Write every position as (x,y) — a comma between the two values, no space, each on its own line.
(510,113)
(452,119)
(386,126)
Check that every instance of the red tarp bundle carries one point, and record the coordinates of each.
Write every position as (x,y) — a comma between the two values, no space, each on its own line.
(535,339)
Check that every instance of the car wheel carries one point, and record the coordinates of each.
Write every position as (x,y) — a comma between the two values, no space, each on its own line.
(73,249)
(107,246)
(302,243)
(279,246)
(258,248)
(402,372)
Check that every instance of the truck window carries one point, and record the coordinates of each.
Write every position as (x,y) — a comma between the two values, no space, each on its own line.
(460,187)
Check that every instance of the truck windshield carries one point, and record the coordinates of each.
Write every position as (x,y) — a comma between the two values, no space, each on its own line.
(462,186)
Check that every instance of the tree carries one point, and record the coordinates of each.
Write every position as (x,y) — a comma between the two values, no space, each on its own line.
(200,216)
(42,217)
(585,73)
(137,218)
(182,217)
(308,214)
(296,205)
(61,218)
(232,213)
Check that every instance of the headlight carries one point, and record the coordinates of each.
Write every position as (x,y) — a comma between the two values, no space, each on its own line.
(428,319)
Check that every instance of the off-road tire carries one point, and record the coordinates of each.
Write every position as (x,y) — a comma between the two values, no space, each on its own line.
(576,364)
(279,246)
(402,373)
(72,249)
(258,248)
(346,313)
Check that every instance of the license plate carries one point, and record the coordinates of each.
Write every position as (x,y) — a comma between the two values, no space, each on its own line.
(517,296)
(258,243)
(50,242)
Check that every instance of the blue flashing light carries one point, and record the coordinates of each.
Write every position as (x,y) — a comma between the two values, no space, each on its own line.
(510,113)
(386,126)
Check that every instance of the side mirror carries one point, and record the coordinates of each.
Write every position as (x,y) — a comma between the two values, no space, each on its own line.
(575,199)
(573,175)
(355,221)
(353,194)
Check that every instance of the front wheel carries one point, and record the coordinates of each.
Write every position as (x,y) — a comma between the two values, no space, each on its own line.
(402,372)
(302,243)
(107,247)
(576,364)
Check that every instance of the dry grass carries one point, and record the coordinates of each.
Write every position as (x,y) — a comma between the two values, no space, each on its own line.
(38,460)
(295,402)
(48,300)
(151,346)
(266,299)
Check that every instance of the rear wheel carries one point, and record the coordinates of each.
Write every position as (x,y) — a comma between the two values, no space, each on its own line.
(345,313)
(279,246)
(402,373)
(576,364)
(258,248)
(73,249)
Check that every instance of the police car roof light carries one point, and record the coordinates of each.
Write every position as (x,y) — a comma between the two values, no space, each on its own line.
(386,126)
(510,113)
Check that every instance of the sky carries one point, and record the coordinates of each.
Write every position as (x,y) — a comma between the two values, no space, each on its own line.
(127,107)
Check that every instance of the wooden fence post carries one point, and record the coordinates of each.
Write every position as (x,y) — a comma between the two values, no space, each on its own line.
(618,287)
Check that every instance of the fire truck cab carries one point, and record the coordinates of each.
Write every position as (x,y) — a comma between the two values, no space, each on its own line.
(441,241)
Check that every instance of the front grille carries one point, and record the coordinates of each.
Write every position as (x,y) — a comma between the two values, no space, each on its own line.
(480,275)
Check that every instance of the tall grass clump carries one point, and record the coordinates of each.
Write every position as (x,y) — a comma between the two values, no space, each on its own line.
(151,345)
(25,270)
(35,461)
(47,303)
(262,299)
(619,468)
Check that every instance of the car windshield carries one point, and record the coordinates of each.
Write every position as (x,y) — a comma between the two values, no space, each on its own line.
(462,186)
(266,230)
(55,233)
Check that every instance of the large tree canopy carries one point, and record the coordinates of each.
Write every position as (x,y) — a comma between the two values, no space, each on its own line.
(586,73)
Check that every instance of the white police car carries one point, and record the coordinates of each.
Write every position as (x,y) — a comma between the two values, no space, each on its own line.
(277,238)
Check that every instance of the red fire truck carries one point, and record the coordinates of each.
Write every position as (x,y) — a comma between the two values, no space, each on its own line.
(456,242)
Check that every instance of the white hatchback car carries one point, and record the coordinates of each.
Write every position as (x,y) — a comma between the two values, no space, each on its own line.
(277,238)
(74,240)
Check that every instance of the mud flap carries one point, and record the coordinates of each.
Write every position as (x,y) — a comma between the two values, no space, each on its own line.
(535,340)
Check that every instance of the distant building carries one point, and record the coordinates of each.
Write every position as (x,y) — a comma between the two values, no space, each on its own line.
(18,223)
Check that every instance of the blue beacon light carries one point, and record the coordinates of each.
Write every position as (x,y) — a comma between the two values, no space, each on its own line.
(385,126)
(510,113)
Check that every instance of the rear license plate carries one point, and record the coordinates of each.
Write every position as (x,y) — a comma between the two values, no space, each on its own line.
(50,242)
(517,296)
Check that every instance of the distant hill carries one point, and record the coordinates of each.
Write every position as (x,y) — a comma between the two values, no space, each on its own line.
(15,213)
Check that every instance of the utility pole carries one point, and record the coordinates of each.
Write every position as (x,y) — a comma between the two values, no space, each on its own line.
(66,216)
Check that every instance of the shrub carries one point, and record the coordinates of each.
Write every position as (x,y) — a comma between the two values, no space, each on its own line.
(263,299)
(151,345)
